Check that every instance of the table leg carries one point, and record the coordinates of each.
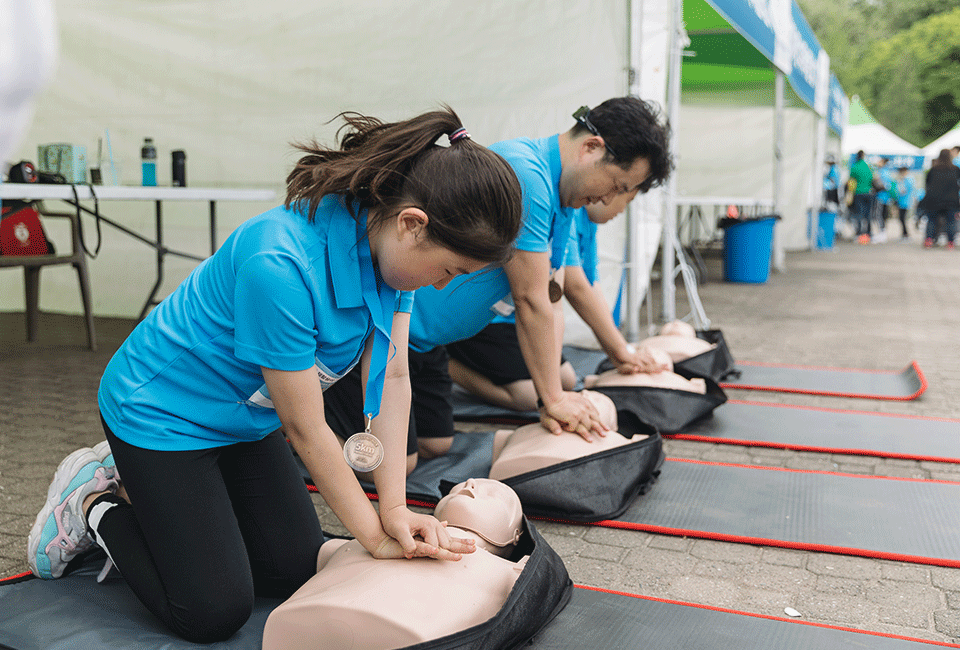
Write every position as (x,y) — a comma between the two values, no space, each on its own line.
(213,227)
(161,252)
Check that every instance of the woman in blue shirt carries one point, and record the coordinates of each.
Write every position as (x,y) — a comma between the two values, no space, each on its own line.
(212,508)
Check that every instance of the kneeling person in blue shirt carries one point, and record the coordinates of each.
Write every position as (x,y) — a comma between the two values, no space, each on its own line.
(211,508)
(619,147)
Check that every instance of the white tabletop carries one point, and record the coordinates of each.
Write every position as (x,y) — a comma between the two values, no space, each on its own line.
(36,191)
(723,200)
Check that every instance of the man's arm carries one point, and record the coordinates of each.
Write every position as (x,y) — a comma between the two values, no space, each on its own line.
(529,276)
(589,303)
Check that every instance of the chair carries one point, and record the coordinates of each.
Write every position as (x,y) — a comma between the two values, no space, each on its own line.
(32,264)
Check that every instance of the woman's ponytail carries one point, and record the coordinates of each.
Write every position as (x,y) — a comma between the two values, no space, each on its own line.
(470,194)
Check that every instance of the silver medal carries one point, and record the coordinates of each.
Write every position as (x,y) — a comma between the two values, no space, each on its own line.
(362,451)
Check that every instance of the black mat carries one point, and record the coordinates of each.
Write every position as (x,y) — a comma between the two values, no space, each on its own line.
(757,424)
(599,620)
(75,612)
(906,384)
(906,520)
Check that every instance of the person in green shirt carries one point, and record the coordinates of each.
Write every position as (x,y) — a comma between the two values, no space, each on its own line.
(863,175)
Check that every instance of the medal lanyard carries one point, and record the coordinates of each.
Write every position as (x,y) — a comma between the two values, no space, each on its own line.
(381,337)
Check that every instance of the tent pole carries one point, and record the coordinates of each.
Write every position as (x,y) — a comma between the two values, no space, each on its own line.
(778,170)
(631,324)
(677,38)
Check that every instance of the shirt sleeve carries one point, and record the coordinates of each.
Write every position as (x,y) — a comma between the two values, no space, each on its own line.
(534,233)
(274,313)
(404,303)
(572,256)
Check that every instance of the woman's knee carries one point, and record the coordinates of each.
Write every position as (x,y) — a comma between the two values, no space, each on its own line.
(213,618)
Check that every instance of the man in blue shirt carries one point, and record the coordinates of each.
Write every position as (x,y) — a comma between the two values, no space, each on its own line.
(490,364)
(619,147)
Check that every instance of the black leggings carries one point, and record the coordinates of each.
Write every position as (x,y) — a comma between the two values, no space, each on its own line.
(209,529)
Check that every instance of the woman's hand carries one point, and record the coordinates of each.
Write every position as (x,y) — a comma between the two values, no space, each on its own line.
(408,535)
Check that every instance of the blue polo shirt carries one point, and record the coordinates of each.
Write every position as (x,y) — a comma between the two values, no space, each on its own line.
(581,251)
(886,177)
(282,293)
(470,302)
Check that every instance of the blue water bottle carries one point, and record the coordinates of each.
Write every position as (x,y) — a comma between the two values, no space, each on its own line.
(148,158)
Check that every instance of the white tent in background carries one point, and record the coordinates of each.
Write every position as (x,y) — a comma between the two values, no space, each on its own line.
(864,133)
(949,139)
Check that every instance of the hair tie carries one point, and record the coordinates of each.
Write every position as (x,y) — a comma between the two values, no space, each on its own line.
(459,134)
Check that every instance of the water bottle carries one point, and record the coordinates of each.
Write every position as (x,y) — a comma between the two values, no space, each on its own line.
(148,158)
(178,171)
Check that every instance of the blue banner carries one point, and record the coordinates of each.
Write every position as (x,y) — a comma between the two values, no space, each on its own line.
(804,52)
(913,163)
(837,107)
(753,19)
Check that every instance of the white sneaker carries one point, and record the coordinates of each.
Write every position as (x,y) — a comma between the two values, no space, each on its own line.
(60,532)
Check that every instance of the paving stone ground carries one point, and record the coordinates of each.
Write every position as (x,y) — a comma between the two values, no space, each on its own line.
(873,307)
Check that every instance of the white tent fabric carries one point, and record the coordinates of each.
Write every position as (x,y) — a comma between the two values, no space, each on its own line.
(875,139)
(233,85)
(946,141)
(28,54)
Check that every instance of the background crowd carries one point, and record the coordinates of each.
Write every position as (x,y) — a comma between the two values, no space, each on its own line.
(874,194)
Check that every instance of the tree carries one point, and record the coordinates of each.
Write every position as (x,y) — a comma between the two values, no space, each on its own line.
(917,70)
(901,56)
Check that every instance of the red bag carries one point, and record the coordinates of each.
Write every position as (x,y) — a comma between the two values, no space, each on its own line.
(21,232)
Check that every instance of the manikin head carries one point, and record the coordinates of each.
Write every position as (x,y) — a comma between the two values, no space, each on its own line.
(678,328)
(489,509)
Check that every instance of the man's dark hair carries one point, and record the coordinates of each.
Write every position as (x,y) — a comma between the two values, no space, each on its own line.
(633,128)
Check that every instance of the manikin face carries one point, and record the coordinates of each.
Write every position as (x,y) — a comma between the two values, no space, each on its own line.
(408,260)
(489,508)
(592,180)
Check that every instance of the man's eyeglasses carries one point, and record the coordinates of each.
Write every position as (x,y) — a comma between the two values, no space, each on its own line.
(582,116)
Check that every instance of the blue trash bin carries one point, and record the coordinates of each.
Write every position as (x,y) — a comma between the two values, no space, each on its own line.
(826,224)
(747,244)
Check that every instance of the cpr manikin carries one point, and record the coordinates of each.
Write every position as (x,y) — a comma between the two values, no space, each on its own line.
(679,340)
(357,602)
(531,447)
(663,379)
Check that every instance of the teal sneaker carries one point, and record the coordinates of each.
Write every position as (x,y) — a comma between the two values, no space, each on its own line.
(60,532)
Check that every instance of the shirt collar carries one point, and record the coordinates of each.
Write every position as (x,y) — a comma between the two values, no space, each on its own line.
(553,159)
(344,253)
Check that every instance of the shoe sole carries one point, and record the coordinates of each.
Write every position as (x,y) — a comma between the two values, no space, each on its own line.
(69,476)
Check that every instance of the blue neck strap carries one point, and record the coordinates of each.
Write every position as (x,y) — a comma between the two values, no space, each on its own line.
(382,316)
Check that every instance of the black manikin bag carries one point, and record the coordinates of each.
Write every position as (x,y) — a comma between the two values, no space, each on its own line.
(541,591)
(595,487)
(716,364)
(669,410)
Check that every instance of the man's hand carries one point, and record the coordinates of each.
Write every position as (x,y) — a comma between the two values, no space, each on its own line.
(573,413)
(641,358)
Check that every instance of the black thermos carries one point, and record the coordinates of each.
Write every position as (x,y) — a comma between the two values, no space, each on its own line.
(179,171)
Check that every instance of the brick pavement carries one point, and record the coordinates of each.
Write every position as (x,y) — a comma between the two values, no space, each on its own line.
(874,307)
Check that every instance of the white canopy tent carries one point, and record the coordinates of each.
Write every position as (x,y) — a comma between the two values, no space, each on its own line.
(234,87)
(946,141)
(865,134)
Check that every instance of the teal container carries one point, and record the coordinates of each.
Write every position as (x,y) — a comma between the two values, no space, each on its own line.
(826,222)
(747,244)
